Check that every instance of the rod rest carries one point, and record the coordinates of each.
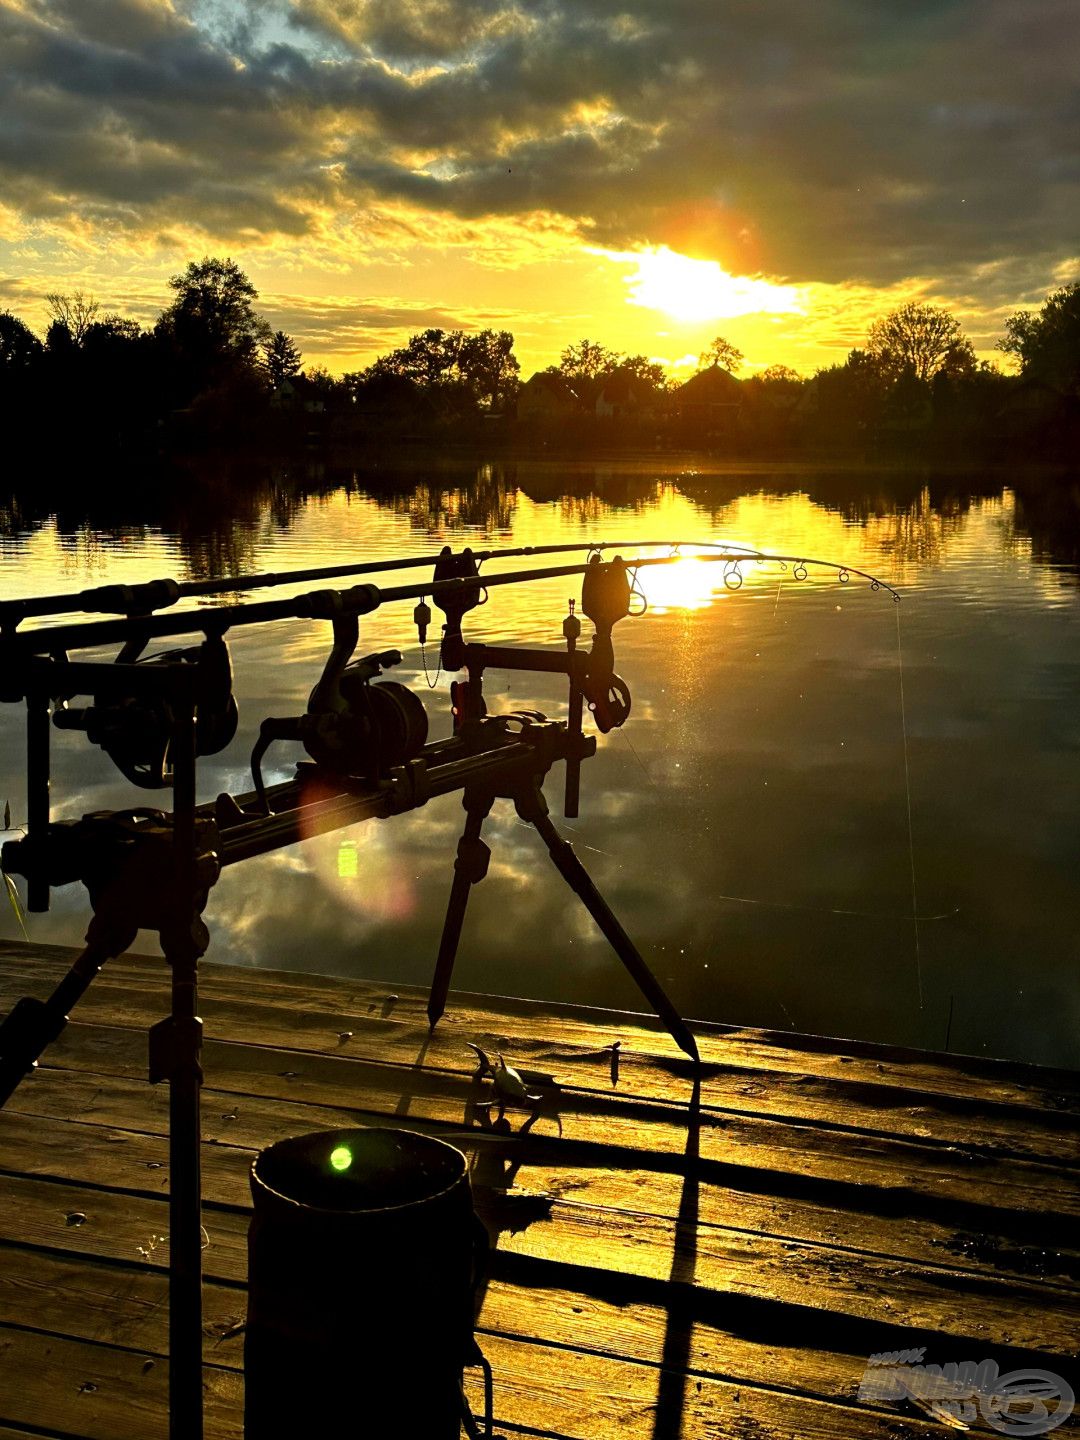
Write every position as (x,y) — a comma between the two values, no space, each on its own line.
(125,858)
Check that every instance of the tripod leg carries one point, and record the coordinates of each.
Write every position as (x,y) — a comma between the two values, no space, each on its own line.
(580,881)
(33,1025)
(174,1056)
(470,867)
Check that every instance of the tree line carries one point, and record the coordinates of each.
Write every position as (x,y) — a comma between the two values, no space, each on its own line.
(211,370)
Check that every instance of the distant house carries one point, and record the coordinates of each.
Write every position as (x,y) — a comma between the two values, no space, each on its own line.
(547,396)
(298,393)
(623,397)
(710,400)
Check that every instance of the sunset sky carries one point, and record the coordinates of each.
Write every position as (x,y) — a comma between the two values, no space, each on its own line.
(648,173)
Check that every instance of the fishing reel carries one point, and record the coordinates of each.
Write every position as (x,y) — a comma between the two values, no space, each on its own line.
(353,727)
(136,731)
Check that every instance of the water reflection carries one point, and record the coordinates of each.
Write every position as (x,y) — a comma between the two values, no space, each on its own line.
(749,824)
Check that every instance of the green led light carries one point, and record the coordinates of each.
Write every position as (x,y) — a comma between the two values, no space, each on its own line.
(341,1158)
(348,860)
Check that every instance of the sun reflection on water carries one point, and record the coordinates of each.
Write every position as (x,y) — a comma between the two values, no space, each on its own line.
(689,584)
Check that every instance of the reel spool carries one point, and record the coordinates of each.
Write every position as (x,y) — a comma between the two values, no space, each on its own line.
(352,727)
(136,732)
(375,727)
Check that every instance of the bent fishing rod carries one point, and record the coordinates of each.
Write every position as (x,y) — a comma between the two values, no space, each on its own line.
(145,597)
(454,573)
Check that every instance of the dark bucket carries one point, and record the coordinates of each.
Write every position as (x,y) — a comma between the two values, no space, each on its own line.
(361,1276)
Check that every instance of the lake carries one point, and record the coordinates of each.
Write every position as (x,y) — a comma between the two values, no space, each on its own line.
(779,853)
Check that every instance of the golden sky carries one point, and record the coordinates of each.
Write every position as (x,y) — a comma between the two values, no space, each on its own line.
(648,173)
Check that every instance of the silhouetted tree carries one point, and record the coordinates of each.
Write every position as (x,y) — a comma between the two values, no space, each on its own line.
(60,343)
(1047,344)
(779,375)
(848,400)
(488,366)
(645,371)
(919,338)
(281,357)
(721,352)
(586,360)
(428,358)
(322,383)
(76,313)
(116,327)
(19,346)
(212,322)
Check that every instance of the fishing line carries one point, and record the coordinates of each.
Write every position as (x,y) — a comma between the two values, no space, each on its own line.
(580,844)
(907,790)
(832,910)
(639,760)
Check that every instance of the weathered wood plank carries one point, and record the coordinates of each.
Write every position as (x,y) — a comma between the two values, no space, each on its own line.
(830,1281)
(926,1173)
(835,1102)
(109,1304)
(128,1307)
(112,1394)
(137,1161)
(7,1432)
(584,1396)
(550,1023)
(101,1393)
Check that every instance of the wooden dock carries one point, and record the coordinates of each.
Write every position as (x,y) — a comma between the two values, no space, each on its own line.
(671,1261)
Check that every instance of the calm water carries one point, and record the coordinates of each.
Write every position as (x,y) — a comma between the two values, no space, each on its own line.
(750,823)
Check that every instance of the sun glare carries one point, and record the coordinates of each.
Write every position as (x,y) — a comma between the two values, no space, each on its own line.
(692,290)
(689,585)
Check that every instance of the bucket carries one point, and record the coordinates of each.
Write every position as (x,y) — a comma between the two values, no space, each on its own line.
(362,1267)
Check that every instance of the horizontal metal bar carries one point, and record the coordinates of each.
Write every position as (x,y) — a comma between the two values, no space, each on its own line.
(263,834)
(109,677)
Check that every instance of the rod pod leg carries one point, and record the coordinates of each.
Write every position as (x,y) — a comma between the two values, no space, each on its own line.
(470,867)
(532,807)
(33,1025)
(175,1043)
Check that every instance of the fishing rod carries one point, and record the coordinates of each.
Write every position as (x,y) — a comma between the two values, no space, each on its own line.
(367,756)
(453,574)
(146,597)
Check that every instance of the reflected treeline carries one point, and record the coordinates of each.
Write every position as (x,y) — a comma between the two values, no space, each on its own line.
(215,513)
(1047,512)
(220,515)
(451,493)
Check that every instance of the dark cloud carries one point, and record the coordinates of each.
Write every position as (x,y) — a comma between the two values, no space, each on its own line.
(834,141)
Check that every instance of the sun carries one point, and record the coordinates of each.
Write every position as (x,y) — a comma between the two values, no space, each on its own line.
(691,290)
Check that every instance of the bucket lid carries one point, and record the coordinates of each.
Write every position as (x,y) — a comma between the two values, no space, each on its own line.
(357,1171)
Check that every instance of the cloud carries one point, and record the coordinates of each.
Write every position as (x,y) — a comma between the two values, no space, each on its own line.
(834,143)
(343,325)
